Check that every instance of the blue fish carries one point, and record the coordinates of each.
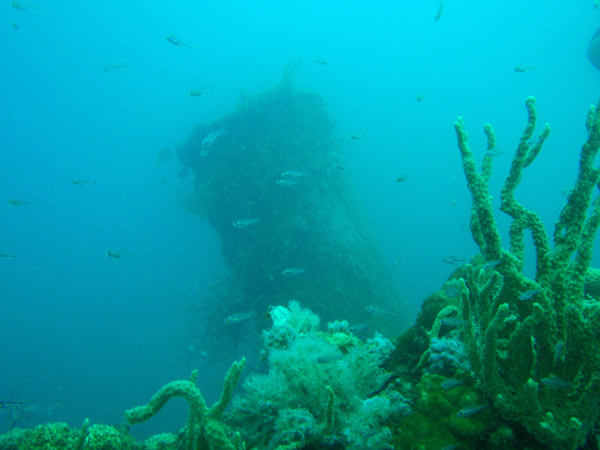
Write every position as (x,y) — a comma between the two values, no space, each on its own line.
(555,382)
(469,411)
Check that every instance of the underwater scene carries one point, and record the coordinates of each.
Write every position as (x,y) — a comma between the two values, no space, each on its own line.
(317,225)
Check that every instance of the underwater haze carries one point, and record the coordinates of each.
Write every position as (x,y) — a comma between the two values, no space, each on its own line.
(103,268)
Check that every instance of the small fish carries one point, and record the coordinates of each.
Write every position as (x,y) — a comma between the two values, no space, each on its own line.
(199,92)
(114,254)
(452,322)
(559,352)
(439,12)
(178,42)
(491,264)
(292,174)
(404,178)
(17,202)
(450,447)
(453,260)
(328,359)
(239,317)
(338,167)
(322,62)
(113,67)
(210,138)
(292,271)
(4,255)
(196,93)
(23,6)
(523,69)
(421,97)
(79,182)
(358,327)
(14,24)
(451,383)
(469,411)
(528,295)
(356,137)
(494,152)
(555,382)
(4,403)
(245,223)
(287,182)
(378,310)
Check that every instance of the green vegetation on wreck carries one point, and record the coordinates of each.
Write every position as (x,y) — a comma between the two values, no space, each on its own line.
(529,345)
(496,360)
(271,180)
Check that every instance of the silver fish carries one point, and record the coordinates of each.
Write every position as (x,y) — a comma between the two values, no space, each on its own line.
(378,310)
(469,411)
(199,92)
(451,383)
(23,6)
(18,202)
(210,138)
(523,69)
(239,317)
(293,271)
(358,327)
(439,12)
(452,322)
(113,67)
(555,382)
(176,41)
(325,359)
(450,447)
(559,349)
(4,403)
(292,174)
(493,152)
(287,182)
(245,223)
(453,260)
(491,264)
(80,182)
(528,295)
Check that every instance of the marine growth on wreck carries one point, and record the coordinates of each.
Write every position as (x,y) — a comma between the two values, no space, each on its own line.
(270,179)
(495,360)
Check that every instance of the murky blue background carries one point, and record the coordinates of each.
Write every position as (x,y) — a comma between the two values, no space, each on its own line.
(84,335)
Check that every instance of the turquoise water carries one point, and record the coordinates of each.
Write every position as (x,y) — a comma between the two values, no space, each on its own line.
(93,91)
